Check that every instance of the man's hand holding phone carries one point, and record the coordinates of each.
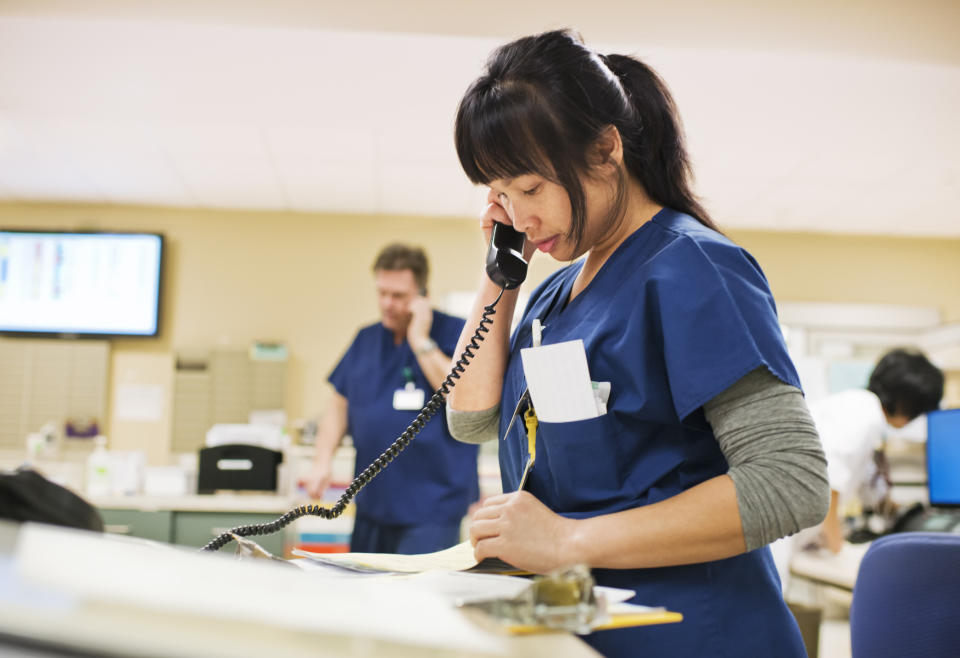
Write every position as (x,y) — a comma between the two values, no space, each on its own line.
(421,319)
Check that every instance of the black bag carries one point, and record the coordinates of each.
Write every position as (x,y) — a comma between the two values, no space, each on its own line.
(25,495)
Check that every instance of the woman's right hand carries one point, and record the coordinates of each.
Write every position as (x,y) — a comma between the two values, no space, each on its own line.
(497,210)
(480,385)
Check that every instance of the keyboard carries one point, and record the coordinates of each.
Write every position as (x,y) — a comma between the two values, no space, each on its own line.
(932,520)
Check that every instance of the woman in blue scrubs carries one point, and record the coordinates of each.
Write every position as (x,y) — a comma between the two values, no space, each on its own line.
(706,452)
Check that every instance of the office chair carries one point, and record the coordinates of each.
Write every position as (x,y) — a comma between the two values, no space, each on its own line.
(906,600)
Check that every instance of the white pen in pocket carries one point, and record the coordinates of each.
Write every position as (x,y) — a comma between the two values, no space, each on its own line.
(536,332)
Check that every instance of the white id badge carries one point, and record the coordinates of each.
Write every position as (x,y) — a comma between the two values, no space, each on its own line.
(409,398)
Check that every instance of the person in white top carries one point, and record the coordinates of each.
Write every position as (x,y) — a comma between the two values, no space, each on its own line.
(852,426)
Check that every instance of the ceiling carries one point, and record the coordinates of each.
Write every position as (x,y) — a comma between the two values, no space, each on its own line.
(820,116)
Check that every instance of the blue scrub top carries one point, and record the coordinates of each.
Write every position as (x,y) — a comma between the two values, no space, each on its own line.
(673,318)
(434,479)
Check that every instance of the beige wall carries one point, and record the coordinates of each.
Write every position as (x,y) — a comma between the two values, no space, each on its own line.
(304,279)
(812,267)
(233,277)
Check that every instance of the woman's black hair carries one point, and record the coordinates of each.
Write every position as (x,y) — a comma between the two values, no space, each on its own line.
(541,107)
(906,383)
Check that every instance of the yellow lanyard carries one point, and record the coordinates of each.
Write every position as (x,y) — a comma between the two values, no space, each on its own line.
(530,420)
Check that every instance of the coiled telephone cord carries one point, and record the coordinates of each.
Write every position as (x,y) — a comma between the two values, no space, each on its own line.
(429,409)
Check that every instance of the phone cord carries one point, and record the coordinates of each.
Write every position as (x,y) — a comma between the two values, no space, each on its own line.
(380,462)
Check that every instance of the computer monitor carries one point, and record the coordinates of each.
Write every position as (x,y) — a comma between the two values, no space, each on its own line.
(943,457)
(80,283)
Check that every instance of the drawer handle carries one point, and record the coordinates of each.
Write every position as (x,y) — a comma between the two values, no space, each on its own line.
(116,528)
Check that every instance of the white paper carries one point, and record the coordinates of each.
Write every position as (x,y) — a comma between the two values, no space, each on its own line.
(601,393)
(457,586)
(614,594)
(264,436)
(559,382)
(456,558)
(268,417)
(140,402)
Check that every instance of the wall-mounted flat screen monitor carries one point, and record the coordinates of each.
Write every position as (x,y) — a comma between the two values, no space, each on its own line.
(80,284)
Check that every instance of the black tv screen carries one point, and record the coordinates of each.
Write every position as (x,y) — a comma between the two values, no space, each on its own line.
(94,284)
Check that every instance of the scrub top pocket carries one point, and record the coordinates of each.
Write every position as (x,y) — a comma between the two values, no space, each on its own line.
(583,461)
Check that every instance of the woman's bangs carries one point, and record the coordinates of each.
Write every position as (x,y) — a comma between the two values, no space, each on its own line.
(493,142)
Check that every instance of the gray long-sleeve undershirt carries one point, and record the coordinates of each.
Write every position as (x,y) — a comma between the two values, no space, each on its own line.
(770,442)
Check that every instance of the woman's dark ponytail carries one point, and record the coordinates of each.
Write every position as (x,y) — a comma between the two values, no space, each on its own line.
(653,140)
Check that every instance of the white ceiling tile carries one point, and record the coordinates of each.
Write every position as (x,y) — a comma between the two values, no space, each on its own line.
(320,140)
(220,139)
(140,180)
(227,182)
(419,141)
(273,114)
(311,185)
(428,190)
(47,175)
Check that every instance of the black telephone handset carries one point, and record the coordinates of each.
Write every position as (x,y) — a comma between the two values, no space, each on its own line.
(507,268)
(506,265)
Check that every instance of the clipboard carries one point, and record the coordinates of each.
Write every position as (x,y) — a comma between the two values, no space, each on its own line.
(568,601)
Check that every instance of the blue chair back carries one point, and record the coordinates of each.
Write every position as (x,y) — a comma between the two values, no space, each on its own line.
(906,600)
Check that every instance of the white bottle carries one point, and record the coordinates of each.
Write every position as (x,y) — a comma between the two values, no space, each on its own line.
(99,481)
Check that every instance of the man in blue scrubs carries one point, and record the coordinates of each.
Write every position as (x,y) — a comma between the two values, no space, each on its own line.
(388,373)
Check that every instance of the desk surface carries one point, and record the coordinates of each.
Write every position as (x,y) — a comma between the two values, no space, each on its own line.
(117,596)
(262,503)
(126,631)
(822,566)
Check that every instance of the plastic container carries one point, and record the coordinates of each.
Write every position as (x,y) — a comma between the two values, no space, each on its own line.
(98,481)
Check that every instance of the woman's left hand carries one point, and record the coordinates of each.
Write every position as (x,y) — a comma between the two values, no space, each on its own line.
(522,531)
